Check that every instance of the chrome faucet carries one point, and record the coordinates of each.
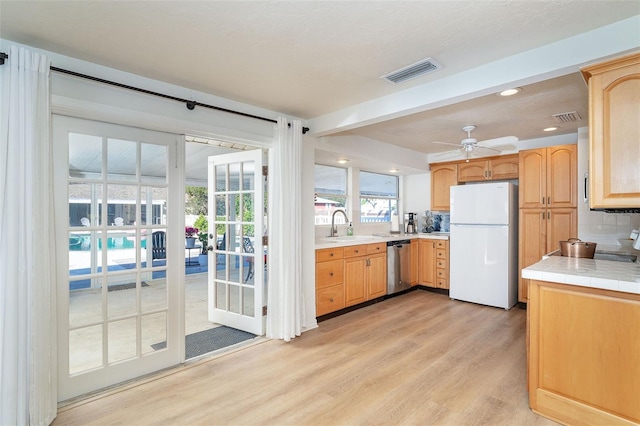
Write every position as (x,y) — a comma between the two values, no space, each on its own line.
(334,229)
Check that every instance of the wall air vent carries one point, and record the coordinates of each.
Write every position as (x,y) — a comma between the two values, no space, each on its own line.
(567,117)
(412,71)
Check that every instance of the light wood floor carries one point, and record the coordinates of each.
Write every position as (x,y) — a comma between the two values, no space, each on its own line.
(419,358)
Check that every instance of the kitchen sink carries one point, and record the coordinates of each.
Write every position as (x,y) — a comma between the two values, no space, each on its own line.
(615,256)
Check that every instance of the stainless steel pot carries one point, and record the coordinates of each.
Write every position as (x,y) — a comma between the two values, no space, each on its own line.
(574,247)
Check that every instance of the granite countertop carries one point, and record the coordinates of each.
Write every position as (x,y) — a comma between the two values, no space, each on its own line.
(343,240)
(595,273)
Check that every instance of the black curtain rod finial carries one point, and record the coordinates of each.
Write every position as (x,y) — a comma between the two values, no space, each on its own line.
(3,56)
(191,105)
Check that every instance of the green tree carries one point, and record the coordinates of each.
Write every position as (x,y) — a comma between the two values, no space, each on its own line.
(196,200)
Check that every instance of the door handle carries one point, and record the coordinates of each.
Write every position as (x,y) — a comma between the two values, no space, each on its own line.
(209,248)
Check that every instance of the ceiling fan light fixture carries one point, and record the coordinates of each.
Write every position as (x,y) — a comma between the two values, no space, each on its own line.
(510,92)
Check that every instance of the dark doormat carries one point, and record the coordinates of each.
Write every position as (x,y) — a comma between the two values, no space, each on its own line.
(210,340)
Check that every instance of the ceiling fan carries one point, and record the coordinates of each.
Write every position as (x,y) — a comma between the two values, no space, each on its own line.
(470,144)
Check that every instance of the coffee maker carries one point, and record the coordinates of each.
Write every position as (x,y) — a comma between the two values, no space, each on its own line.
(410,225)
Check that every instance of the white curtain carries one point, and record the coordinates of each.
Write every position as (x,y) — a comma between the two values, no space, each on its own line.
(27,257)
(285,299)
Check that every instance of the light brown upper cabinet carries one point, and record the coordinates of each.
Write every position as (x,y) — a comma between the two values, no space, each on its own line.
(443,176)
(548,177)
(494,168)
(614,133)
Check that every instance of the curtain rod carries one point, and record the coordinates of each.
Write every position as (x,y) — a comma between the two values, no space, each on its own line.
(189,103)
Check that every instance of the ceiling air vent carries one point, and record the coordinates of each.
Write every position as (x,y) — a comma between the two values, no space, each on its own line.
(567,117)
(412,71)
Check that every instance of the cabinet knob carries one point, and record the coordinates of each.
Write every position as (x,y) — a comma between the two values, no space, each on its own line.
(357,251)
(330,274)
(331,299)
(330,254)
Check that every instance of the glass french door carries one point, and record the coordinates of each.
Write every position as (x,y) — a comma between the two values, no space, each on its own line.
(118,213)
(236,210)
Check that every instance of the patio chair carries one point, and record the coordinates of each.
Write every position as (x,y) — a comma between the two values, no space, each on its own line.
(118,221)
(247,246)
(85,221)
(158,245)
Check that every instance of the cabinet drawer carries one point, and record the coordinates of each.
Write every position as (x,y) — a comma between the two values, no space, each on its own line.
(441,263)
(329,299)
(441,254)
(329,273)
(442,283)
(441,244)
(441,274)
(323,255)
(354,251)
(376,248)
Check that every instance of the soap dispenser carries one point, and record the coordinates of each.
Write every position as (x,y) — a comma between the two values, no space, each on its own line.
(350,229)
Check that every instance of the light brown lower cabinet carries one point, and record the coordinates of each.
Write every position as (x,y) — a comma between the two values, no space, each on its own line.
(584,354)
(442,264)
(414,261)
(346,276)
(365,273)
(329,280)
(427,263)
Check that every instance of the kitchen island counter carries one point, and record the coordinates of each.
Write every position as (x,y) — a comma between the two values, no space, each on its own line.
(603,274)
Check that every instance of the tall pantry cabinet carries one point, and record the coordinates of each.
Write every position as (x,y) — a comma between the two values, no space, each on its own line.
(548,204)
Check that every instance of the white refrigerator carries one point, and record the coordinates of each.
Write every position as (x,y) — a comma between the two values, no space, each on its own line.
(484,244)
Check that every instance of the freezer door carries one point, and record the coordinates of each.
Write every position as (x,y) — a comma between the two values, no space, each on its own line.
(486,203)
(482,265)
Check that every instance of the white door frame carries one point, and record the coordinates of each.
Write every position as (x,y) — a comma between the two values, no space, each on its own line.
(109,374)
(225,282)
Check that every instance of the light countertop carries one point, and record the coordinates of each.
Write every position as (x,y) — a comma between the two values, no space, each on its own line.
(595,273)
(329,242)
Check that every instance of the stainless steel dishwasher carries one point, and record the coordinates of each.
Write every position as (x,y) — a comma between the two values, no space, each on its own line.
(398,266)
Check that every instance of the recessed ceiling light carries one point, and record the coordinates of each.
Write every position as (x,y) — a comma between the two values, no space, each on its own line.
(510,92)
(342,160)
(393,170)
(550,129)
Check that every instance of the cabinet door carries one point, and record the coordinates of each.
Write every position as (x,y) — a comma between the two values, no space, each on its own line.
(329,273)
(376,276)
(427,263)
(354,281)
(414,262)
(562,175)
(504,167)
(533,172)
(472,171)
(561,225)
(442,178)
(329,299)
(532,244)
(614,151)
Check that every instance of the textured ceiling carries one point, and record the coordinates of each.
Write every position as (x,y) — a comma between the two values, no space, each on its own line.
(311,58)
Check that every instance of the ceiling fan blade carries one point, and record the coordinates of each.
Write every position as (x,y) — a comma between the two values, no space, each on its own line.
(485,147)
